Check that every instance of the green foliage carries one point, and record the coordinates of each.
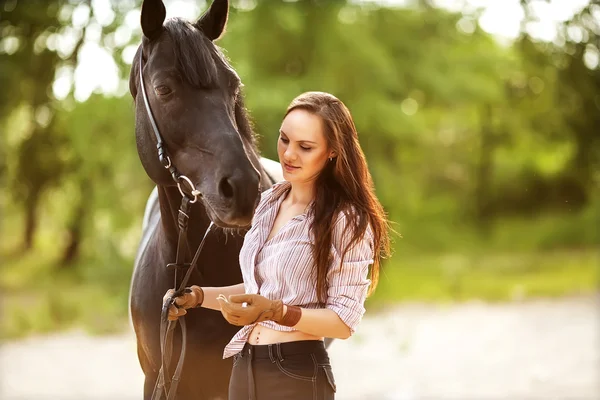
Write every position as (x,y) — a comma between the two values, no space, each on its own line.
(484,155)
(489,277)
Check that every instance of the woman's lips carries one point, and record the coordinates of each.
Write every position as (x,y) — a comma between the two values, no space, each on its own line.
(290,168)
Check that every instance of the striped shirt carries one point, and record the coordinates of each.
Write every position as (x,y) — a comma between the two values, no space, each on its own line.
(281,268)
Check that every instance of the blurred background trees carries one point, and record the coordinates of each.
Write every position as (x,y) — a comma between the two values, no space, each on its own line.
(485,151)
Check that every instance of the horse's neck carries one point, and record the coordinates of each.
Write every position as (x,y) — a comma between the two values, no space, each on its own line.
(169,199)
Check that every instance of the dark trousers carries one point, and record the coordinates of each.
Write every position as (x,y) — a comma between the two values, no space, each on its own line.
(294,370)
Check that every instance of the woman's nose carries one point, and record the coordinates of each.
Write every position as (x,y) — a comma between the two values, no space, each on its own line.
(289,154)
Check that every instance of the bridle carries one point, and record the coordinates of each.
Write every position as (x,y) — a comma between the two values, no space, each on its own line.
(165,384)
(163,157)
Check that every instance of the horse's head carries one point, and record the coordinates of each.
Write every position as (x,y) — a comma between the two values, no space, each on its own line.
(194,96)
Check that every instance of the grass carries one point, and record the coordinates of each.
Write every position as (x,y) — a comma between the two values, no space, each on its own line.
(45,300)
(491,277)
(38,298)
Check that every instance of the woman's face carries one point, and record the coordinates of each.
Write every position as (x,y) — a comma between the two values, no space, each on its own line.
(302,147)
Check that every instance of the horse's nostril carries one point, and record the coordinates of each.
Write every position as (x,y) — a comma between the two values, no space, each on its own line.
(226,188)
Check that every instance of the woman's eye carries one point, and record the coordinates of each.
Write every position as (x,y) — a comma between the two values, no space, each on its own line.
(305,148)
(162,90)
(283,140)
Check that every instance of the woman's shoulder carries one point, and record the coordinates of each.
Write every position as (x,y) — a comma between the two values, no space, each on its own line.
(345,223)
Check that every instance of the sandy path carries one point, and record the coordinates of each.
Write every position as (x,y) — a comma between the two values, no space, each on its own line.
(545,349)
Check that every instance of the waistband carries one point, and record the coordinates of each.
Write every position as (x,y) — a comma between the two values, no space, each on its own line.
(281,350)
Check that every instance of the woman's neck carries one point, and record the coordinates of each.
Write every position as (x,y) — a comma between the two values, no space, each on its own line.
(301,194)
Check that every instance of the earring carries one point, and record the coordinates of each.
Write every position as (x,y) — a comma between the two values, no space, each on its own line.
(330,159)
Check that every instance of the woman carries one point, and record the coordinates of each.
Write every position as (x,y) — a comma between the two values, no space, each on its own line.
(305,261)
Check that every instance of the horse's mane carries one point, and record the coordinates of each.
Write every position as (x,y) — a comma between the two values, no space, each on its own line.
(197,58)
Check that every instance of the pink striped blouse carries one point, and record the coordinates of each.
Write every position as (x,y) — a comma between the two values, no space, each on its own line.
(280,268)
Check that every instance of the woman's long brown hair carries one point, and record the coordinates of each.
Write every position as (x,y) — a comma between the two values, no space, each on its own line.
(344,185)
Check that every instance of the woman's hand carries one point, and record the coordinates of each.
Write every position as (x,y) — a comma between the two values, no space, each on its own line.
(191,298)
(257,309)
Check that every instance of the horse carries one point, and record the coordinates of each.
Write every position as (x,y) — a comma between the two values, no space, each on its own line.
(195,141)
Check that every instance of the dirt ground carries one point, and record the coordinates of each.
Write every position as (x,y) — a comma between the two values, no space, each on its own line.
(542,349)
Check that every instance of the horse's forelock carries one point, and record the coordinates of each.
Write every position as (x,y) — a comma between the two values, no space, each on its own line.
(199,63)
(198,59)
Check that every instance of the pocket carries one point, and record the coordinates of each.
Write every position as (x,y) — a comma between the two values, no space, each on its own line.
(329,376)
(303,367)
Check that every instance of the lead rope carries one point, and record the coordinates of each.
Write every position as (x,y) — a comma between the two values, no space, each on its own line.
(164,385)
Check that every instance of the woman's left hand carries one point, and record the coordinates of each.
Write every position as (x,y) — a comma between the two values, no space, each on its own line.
(257,309)
(192,297)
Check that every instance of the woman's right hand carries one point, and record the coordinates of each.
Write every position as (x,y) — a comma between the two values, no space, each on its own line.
(191,298)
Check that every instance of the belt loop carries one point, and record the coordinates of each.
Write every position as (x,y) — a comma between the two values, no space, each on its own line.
(279,355)
(271,353)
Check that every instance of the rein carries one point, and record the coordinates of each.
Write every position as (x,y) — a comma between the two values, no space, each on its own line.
(165,384)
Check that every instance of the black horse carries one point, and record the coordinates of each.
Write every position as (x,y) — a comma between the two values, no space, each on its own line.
(194,97)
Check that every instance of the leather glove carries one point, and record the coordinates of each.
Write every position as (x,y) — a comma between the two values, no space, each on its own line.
(192,297)
(258,308)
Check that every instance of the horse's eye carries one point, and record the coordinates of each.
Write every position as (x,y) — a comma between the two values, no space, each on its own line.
(162,90)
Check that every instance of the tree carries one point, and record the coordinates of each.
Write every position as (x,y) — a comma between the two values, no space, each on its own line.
(28,69)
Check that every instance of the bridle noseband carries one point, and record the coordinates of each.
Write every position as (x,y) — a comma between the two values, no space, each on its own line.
(164,384)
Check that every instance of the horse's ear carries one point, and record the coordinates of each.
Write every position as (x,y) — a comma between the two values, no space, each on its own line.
(153,16)
(213,22)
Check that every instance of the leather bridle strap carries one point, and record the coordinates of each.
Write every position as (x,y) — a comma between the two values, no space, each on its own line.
(163,157)
(164,384)
(166,331)
(162,153)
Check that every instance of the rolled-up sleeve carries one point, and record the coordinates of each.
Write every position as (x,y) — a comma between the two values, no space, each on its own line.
(348,282)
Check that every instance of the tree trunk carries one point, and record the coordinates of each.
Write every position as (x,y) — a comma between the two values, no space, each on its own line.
(31,222)
(72,250)
(75,229)
(484,172)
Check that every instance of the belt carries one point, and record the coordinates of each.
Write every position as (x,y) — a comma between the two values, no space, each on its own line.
(280,350)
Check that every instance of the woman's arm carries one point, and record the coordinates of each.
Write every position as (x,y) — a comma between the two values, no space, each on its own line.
(246,309)
(211,293)
(347,280)
(322,322)
(206,296)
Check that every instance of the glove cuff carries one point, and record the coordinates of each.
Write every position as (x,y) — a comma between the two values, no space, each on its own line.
(199,294)
(292,316)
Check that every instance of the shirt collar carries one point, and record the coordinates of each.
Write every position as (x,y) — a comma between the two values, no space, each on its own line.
(279,189)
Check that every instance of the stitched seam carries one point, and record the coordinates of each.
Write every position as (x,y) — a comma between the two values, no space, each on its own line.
(330,378)
(315,374)
(291,374)
(315,367)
